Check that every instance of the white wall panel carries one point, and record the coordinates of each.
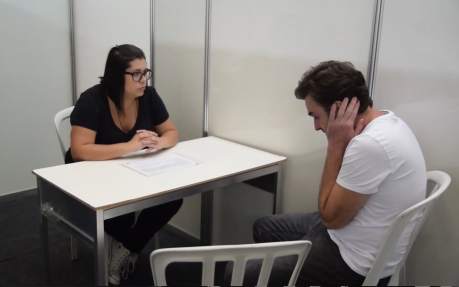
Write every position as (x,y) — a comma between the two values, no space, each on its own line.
(418,79)
(35,83)
(179,79)
(102,24)
(259,51)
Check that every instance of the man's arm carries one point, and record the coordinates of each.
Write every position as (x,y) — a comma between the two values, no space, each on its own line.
(331,170)
(337,205)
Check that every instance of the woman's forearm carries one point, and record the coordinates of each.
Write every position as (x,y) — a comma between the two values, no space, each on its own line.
(168,139)
(94,152)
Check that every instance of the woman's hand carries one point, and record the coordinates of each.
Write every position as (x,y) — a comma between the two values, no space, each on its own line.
(143,139)
(149,139)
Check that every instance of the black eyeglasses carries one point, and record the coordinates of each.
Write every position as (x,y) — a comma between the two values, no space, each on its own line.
(136,76)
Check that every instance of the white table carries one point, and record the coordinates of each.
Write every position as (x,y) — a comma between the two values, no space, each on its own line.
(80,196)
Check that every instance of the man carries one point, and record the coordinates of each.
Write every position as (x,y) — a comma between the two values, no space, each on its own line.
(374,170)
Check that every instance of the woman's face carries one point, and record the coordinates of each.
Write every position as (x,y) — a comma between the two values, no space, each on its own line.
(132,88)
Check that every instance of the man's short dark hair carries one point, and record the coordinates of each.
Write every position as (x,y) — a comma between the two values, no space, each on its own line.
(334,81)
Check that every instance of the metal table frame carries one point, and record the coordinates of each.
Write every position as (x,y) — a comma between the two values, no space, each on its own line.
(87,224)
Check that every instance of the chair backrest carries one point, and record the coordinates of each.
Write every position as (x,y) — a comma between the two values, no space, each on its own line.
(60,116)
(239,254)
(442,181)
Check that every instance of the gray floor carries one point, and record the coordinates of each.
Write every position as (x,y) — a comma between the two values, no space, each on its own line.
(21,261)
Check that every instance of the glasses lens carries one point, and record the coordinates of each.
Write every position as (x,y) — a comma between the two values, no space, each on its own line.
(136,76)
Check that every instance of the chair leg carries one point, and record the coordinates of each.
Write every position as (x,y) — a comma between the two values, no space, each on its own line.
(73,248)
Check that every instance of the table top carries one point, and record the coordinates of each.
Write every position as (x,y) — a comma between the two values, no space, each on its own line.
(106,184)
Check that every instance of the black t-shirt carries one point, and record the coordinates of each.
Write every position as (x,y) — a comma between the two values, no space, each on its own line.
(92,111)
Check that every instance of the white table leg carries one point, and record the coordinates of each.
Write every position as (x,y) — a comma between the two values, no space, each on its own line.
(100,259)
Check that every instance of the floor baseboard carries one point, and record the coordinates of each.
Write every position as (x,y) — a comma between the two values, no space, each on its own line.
(19,193)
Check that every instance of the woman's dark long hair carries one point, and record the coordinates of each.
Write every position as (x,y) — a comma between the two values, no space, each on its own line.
(118,60)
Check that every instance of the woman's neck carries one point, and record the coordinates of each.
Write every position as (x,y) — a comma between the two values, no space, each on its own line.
(128,102)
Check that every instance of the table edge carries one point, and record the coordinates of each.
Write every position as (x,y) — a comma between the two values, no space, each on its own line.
(156,194)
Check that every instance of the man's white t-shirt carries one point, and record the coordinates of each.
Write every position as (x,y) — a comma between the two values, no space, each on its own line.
(386,161)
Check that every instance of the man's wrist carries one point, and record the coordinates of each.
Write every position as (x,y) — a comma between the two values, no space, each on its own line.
(336,149)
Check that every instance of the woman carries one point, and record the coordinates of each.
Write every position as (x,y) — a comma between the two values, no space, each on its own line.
(118,116)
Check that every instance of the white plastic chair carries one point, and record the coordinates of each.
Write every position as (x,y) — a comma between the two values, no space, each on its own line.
(442,181)
(239,254)
(61,116)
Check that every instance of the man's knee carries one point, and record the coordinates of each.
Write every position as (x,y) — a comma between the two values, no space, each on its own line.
(259,223)
(260,226)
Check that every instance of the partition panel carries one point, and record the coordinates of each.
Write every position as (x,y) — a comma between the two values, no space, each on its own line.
(102,24)
(259,50)
(418,79)
(179,78)
(35,83)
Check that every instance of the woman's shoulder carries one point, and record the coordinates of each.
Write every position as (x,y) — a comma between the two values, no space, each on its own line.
(90,100)
(151,92)
(94,93)
(150,97)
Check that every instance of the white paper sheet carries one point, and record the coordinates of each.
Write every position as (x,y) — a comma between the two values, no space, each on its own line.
(161,164)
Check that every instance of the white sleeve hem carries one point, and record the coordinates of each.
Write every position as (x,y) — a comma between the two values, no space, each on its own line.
(354,188)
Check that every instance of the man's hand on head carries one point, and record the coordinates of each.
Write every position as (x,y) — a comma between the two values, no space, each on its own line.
(341,130)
